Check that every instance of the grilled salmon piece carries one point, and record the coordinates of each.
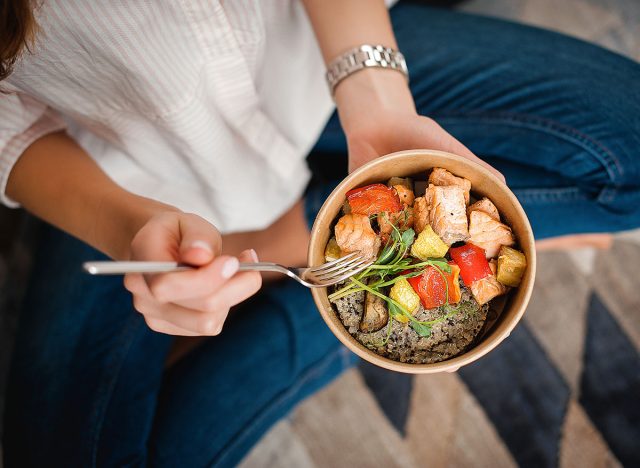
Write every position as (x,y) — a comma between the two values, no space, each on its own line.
(448,213)
(442,177)
(486,206)
(403,220)
(406,195)
(487,288)
(422,209)
(486,232)
(354,234)
(420,214)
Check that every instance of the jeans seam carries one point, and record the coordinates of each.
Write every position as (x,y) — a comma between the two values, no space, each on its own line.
(127,339)
(550,195)
(571,134)
(309,374)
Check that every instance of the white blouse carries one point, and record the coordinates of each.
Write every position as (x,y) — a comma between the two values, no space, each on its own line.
(210,106)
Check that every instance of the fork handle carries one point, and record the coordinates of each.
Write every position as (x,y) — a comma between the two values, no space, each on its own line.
(121,268)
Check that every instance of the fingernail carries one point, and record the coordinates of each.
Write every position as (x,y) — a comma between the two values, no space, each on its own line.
(202,245)
(253,255)
(230,267)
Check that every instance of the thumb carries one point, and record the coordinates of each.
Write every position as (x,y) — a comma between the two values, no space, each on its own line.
(360,153)
(200,241)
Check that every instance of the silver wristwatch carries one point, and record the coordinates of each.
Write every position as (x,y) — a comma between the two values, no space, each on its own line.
(362,57)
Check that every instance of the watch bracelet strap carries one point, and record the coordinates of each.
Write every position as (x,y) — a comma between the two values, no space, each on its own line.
(361,57)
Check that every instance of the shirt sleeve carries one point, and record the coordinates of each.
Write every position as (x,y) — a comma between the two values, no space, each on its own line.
(23,120)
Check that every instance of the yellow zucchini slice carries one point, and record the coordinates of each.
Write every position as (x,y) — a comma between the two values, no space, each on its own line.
(332,251)
(428,245)
(403,294)
(511,266)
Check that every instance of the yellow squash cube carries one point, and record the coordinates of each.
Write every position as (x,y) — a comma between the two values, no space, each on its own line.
(332,251)
(403,294)
(511,266)
(428,245)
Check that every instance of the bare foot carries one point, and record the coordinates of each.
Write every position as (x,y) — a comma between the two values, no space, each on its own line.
(576,241)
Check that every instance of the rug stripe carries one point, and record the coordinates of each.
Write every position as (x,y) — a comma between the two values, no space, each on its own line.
(392,391)
(524,396)
(610,384)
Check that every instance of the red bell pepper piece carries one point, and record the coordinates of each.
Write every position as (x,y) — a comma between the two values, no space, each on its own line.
(374,199)
(472,262)
(432,288)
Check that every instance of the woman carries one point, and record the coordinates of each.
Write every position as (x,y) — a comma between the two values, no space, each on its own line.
(179,131)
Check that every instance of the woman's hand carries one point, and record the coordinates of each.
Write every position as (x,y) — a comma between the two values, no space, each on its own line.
(378,116)
(194,302)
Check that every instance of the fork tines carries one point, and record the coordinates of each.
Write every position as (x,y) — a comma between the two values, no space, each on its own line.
(341,269)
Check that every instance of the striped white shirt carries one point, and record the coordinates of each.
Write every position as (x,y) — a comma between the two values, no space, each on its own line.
(210,106)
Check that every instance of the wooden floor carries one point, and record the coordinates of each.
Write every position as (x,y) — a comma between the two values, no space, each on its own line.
(447,425)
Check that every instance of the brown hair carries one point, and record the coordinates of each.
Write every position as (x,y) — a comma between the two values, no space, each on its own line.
(17,32)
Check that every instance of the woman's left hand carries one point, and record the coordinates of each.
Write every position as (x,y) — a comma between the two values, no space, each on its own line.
(378,116)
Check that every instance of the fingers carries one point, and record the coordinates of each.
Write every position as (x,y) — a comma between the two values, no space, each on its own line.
(200,241)
(185,237)
(162,326)
(237,289)
(173,318)
(181,318)
(459,148)
(404,133)
(199,282)
(195,302)
(157,240)
(446,142)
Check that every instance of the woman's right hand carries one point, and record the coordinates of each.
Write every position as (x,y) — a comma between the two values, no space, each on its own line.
(194,302)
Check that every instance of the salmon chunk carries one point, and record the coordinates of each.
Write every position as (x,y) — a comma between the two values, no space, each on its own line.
(406,195)
(403,220)
(420,214)
(354,234)
(442,177)
(448,213)
(486,206)
(487,288)
(422,209)
(486,232)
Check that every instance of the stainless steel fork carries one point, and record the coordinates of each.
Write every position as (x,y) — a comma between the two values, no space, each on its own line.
(319,276)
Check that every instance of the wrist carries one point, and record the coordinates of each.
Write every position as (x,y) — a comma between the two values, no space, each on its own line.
(370,92)
(119,217)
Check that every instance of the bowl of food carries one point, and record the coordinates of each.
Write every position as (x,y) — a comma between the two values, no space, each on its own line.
(454,261)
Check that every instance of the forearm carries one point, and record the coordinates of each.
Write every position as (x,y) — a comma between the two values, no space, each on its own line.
(340,25)
(57,181)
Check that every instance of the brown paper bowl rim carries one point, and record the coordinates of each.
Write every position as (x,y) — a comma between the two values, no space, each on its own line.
(491,340)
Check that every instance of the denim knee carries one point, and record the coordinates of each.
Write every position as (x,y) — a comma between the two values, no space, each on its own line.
(532,97)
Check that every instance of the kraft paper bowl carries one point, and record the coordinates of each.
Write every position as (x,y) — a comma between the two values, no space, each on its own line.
(416,163)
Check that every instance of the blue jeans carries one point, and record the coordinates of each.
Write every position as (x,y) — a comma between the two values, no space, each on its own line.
(560,118)
(88,386)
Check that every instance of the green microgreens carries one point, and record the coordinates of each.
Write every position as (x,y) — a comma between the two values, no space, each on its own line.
(386,340)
